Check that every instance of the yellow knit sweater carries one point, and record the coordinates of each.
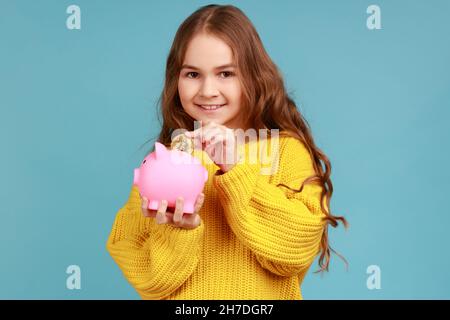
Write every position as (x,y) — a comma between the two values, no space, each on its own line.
(257,240)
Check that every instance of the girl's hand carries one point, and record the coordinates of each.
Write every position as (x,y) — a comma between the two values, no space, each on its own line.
(219,142)
(176,218)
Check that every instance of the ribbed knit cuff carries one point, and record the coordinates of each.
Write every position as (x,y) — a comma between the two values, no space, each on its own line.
(156,259)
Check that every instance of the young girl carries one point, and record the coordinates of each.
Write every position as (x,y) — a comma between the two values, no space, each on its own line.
(253,235)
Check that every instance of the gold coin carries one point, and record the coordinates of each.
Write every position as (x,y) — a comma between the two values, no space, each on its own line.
(182,143)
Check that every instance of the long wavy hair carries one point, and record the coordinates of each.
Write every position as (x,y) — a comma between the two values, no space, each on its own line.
(267,104)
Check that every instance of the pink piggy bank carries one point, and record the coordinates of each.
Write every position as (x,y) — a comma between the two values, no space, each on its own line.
(168,174)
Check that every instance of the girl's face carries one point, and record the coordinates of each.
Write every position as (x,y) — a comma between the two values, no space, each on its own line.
(208,84)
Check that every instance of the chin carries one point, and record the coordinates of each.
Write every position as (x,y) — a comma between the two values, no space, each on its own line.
(209,119)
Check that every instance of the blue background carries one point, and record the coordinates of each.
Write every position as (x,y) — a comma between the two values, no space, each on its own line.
(76,105)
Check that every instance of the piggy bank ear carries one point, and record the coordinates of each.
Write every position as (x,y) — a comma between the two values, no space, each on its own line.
(160,150)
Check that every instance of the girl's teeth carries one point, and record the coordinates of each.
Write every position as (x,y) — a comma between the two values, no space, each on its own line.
(212,107)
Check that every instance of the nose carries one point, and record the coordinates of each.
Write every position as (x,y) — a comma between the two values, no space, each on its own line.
(208,88)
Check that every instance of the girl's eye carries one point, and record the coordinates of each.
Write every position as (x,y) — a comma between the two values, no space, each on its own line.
(189,73)
(227,74)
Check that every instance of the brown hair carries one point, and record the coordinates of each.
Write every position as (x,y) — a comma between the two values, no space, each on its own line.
(265,100)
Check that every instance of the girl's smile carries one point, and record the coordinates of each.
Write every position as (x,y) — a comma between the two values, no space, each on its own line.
(209,108)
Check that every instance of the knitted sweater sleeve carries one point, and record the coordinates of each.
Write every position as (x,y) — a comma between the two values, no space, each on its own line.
(155,259)
(282,228)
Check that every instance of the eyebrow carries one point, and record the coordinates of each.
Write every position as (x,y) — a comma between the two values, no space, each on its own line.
(230,65)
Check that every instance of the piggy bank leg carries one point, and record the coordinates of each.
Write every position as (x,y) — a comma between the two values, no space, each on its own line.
(188,207)
(153,205)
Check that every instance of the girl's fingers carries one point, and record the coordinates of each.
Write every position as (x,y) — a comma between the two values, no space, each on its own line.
(193,221)
(162,216)
(197,220)
(161,213)
(212,135)
(178,214)
(144,204)
(210,150)
(215,151)
(209,137)
(204,133)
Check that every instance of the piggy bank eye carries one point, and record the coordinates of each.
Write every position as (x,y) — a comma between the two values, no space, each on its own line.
(144,161)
